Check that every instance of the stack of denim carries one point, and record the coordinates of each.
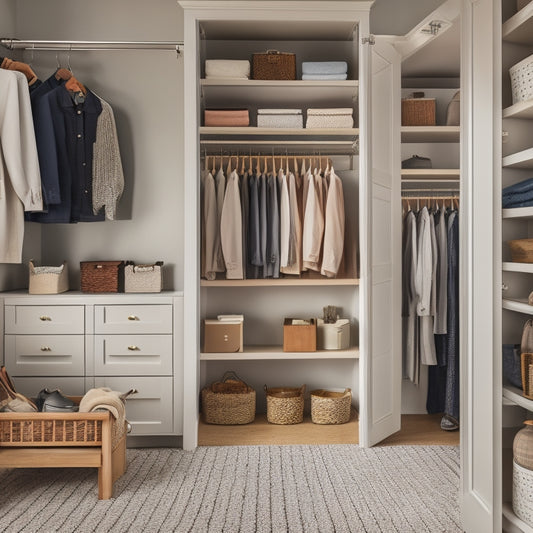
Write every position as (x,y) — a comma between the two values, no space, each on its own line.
(518,195)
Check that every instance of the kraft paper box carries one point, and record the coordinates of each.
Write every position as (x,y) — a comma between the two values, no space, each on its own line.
(299,335)
(223,337)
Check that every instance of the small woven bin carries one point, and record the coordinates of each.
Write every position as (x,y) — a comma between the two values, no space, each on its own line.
(526,360)
(285,405)
(102,276)
(229,401)
(521,250)
(330,407)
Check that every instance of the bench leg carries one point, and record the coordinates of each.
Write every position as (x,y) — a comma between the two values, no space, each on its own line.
(105,472)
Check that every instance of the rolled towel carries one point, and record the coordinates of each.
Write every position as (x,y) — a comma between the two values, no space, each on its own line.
(514,205)
(227,68)
(324,76)
(518,188)
(227,117)
(324,67)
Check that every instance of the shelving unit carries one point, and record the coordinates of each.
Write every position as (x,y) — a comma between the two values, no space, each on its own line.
(522,159)
(508,266)
(255,353)
(279,132)
(520,306)
(433,134)
(513,520)
(431,174)
(522,110)
(518,212)
(515,395)
(280,282)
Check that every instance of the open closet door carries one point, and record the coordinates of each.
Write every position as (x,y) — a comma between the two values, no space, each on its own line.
(380,332)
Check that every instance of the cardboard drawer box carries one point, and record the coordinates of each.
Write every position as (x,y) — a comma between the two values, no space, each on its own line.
(222,337)
(298,337)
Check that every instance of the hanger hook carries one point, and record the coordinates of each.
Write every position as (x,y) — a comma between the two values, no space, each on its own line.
(68,58)
(32,54)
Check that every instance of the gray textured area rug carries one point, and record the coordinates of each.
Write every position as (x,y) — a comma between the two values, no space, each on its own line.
(336,488)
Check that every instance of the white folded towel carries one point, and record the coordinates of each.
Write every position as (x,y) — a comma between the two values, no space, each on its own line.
(279,111)
(227,68)
(330,111)
(324,67)
(324,76)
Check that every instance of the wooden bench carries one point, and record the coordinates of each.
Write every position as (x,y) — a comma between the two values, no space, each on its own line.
(49,440)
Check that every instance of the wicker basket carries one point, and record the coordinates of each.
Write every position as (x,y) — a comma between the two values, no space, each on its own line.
(418,112)
(229,401)
(526,360)
(285,405)
(48,280)
(274,65)
(330,407)
(521,250)
(522,80)
(102,276)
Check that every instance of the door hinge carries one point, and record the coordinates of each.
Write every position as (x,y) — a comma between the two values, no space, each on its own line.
(371,39)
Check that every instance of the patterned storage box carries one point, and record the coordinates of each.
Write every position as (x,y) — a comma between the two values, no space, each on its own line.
(523,493)
(522,80)
(143,278)
(341,117)
(280,118)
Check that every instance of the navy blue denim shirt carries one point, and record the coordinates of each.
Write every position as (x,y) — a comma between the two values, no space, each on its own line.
(67,132)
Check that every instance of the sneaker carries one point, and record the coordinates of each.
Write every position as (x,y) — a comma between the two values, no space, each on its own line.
(52,401)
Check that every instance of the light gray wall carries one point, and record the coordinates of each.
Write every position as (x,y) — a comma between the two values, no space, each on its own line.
(7,18)
(145,90)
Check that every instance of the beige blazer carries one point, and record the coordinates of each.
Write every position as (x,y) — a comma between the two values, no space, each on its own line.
(334,228)
(231,229)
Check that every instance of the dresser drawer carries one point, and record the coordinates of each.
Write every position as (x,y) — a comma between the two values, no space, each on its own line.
(133,355)
(44,319)
(45,355)
(150,411)
(31,387)
(133,319)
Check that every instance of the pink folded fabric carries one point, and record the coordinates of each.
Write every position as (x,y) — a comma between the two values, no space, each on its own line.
(227,117)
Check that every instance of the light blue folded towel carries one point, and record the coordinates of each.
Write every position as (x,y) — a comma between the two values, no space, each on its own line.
(324,67)
(324,76)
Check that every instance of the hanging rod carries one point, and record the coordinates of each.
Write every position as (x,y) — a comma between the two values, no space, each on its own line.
(17,44)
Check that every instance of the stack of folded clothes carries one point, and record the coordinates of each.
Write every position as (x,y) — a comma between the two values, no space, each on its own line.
(227,117)
(235,69)
(518,195)
(279,118)
(338,117)
(324,70)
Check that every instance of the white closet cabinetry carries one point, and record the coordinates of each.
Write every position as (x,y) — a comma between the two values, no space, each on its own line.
(314,31)
(77,341)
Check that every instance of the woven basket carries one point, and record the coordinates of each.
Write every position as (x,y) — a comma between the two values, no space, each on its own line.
(418,112)
(102,276)
(522,80)
(274,65)
(48,280)
(526,360)
(521,250)
(229,401)
(143,278)
(330,407)
(285,405)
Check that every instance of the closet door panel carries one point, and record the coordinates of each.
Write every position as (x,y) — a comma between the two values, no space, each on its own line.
(381,337)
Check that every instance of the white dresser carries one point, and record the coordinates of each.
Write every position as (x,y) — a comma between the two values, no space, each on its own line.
(76,341)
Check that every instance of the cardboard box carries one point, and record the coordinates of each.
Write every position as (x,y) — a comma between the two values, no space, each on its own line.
(299,337)
(223,336)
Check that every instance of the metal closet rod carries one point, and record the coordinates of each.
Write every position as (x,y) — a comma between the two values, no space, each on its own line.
(16,44)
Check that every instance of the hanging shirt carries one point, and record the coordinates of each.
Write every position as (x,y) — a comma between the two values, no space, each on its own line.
(313,226)
(66,137)
(271,264)
(442,274)
(254,241)
(334,228)
(20,182)
(285,221)
(294,265)
(210,224)
(231,228)
(245,216)
(263,222)
(220,181)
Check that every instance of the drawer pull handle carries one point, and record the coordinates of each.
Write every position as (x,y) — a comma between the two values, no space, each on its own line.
(133,348)
(44,318)
(46,349)
(133,317)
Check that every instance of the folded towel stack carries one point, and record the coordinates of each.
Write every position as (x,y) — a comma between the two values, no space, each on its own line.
(227,117)
(324,70)
(227,68)
(518,195)
(341,117)
(279,118)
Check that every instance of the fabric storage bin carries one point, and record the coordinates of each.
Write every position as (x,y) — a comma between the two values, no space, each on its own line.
(522,80)
(48,279)
(341,117)
(331,407)
(334,336)
(227,68)
(418,112)
(299,335)
(285,405)
(274,65)
(280,118)
(102,276)
(521,250)
(143,278)
(228,401)
(227,117)
(512,371)
(523,493)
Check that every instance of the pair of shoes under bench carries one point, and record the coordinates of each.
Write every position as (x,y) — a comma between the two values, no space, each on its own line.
(52,401)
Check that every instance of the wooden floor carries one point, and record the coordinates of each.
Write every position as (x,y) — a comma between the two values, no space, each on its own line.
(416,429)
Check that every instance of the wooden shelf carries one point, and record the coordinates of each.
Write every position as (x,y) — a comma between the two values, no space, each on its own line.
(508,514)
(523,159)
(515,395)
(259,353)
(508,266)
(519,28)
(518,212)
(430,134)
(279,132)
(280,282)
(519,110)
(220,82)
(430,174)
(520,306)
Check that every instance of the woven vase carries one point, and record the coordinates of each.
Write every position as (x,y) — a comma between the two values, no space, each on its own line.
(523,446)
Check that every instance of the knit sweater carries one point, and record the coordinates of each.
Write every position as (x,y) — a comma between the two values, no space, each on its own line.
(108,177)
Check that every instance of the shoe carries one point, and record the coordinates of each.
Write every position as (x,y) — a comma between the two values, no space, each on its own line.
(449,423)
(52,401)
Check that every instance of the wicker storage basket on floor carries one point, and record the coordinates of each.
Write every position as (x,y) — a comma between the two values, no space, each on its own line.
(330,407)
(228,401)
(527,374)
(285,405)
(521,250)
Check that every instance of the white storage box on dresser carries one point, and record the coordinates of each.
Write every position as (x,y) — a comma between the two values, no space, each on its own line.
(75,341)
